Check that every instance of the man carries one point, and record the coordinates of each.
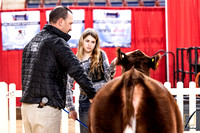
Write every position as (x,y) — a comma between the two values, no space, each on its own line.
(47,59)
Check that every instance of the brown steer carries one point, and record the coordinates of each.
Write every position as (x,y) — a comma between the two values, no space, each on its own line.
(134,102)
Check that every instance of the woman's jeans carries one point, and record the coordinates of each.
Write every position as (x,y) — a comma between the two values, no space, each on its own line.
(84,105)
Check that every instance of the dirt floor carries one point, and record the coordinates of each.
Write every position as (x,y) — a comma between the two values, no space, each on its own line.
(71,126)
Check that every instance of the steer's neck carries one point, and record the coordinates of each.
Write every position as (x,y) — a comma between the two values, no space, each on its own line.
(146,72)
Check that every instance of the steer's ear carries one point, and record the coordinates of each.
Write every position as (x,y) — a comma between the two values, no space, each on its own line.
(121,57)
(154,61)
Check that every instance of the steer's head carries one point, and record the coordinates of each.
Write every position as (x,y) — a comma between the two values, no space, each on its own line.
(138,60)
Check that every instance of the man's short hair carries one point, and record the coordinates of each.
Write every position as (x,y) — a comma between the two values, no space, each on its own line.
(58,12)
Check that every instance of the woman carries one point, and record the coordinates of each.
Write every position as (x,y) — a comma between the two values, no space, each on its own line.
(95,63)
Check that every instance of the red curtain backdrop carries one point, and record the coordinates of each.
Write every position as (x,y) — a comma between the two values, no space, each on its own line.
(183,28)
(147,34)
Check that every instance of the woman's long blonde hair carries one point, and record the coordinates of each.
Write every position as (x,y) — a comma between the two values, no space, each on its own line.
(95,58)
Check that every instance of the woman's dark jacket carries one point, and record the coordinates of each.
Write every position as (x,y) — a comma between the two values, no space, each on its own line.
(47,59)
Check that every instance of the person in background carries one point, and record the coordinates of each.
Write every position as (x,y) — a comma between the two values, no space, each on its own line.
(95,63)
(46,61)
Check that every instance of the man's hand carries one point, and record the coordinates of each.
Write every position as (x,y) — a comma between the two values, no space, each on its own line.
(73,115)
(114,61)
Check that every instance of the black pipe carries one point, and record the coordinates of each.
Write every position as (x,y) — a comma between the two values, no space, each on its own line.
(177,63)
(196,63)
(190,62)
(182,66)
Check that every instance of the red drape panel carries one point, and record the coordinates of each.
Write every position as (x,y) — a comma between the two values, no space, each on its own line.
(147,34)
(183,28)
